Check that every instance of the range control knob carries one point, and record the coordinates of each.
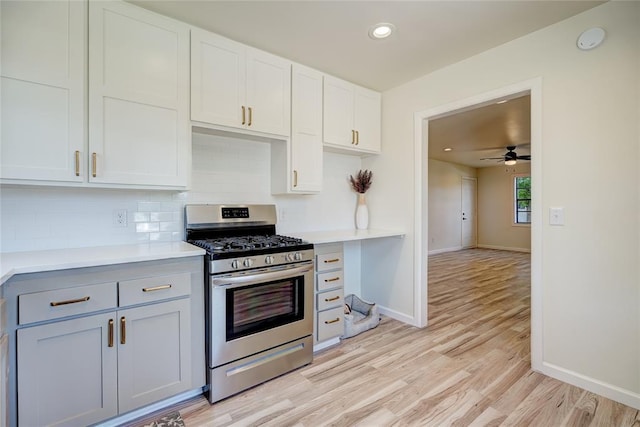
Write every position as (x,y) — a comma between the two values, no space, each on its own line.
(248,262)
(290,257)
(268,260)
(235,264)
(298,256)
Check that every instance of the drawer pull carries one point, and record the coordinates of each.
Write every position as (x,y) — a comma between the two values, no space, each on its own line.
(110,332)
(335,279)
(123,330)
(328,322)
(332,299)
(328,261)
(156,288)
(70,301)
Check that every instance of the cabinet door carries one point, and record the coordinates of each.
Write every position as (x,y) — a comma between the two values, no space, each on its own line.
(154,353)
(268,93)
(67,372)
(217,80)
(338,112)
(43,69)
(367,119)
(306,130)
(138,97)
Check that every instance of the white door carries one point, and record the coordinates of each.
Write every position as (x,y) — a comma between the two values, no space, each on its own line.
(367,119)
(338,112)
(217,80)
(306,130)
(139,129)
(469,194)
(268,93)
(42,79)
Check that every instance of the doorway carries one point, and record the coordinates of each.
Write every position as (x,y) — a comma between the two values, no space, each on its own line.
(421,145)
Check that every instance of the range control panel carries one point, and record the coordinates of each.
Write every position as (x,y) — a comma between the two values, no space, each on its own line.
(231,213)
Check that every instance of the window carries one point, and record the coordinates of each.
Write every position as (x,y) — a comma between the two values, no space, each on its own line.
(522,198)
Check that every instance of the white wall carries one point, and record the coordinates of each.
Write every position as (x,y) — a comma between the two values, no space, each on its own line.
(445,204)
(496,228)
(590,276)
(225,170)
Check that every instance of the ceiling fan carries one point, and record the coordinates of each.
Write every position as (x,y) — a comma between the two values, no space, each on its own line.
(510,157)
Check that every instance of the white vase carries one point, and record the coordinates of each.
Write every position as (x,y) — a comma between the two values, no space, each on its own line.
(362,213)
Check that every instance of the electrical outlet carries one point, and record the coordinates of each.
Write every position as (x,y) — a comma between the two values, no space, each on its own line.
(120,218)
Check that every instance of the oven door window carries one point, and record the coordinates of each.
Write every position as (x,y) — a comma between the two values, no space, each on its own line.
(264,306)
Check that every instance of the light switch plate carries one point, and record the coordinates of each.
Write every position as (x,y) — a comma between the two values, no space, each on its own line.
(556,216)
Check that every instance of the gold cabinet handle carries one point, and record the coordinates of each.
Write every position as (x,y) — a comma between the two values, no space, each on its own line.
(243,116)
(332,299)
(69,301)
(335,279)
(357,137)
(328,322)
(77,163)
(93,164)
(295,178)
(156,288)
(110,332)
(328,261)
(250,116)
(353,136)
(123,330)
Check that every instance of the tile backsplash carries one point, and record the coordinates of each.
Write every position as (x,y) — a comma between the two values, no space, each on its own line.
(225,170)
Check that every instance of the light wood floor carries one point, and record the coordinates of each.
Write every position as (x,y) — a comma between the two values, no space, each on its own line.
(469,367)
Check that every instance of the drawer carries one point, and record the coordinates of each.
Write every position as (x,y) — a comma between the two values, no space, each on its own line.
(48,305)
(156,288)
(330,280)
(330,299)
(329,261)
(330,323)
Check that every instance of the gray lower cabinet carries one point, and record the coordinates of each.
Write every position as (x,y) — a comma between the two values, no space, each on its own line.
(67,372)
(88,353)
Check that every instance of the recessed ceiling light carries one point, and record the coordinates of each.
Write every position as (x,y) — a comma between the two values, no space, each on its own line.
(448,149)
(381,30)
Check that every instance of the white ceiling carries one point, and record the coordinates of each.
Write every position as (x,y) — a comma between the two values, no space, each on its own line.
(331,36)
(482,131)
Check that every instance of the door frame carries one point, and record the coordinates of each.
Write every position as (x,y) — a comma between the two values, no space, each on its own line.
(475,211)
(421,202)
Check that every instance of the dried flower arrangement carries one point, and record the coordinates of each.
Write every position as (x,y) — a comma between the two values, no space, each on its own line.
(362,181)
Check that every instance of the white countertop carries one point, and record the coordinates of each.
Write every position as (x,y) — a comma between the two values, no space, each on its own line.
(61,259)
(331,236)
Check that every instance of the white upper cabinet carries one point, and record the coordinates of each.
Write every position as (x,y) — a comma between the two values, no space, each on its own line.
(236,86)
(43,68)
(139,130)
(351,117)
(306,130)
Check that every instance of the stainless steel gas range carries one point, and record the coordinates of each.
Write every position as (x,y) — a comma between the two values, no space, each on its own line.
(259,295)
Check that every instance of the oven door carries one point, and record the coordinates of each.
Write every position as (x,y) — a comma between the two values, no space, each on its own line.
(256,310)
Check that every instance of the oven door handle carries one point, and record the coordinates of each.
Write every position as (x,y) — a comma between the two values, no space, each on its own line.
(235,282)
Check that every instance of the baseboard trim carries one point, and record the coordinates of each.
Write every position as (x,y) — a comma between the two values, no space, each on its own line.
(505,248)
(441,251)
(397,315)
(326,344)
(163,404)
(607,390)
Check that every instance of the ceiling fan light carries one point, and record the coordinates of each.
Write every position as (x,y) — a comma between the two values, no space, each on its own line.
(510,162)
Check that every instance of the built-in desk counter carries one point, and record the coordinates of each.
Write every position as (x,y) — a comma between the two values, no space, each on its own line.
(337,267)
(334,236)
